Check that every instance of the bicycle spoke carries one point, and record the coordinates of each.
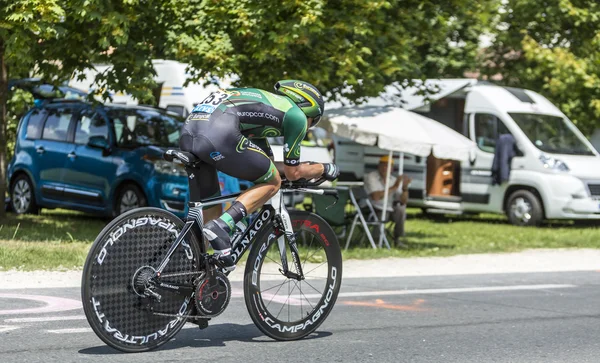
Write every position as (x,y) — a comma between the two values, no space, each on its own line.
(307,249)
(271,288)
(315,268)
(305,298)
(320,292)
(280,286)
(285,302)
(300,288)
(314,253)
(279,263)
(313,277)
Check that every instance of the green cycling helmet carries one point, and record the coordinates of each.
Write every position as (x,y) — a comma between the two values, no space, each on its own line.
(305,95)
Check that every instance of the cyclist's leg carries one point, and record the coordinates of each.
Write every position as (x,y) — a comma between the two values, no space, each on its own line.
(203,180)
(245,161)
(238,157)
(258,168)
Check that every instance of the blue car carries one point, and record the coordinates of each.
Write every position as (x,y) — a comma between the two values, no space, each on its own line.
(103,159)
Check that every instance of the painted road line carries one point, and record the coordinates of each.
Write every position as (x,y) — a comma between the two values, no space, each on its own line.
(449,290)
(70,331)
(44,319)
(53,304)
(5,328)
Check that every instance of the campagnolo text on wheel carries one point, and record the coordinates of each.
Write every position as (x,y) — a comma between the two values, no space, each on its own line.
(149,272)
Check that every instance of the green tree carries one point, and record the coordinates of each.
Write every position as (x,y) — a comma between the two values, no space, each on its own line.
(553,46)
(347,47)
(53,39)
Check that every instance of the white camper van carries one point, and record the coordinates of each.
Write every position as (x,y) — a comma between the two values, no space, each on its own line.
(172,94)
(555,174)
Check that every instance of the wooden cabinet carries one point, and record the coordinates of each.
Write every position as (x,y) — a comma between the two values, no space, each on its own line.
(442,177)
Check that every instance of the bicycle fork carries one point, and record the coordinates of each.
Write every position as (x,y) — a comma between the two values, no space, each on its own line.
(283,224)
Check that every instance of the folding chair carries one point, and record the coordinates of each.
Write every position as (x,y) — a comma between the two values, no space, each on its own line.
(336,215)
(360,200)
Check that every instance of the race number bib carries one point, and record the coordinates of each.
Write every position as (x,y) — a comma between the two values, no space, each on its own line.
(210,103)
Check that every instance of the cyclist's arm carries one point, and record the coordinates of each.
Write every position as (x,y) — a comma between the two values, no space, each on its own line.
(306,171)
(294,130)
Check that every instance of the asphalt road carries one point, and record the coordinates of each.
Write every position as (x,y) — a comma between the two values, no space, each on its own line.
(528,317)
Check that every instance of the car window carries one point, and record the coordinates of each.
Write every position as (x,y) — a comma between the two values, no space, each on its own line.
(180,110)
(57,124)
(141,127)
(90,125)
(34,124)
(487,130)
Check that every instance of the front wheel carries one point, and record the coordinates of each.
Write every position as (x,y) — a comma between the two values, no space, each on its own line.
(23,196)
(524,209)
(285,308)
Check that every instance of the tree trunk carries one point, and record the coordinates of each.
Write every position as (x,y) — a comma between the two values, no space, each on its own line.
(3,100)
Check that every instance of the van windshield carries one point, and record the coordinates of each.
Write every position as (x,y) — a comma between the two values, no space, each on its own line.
(551,134)
(140,127)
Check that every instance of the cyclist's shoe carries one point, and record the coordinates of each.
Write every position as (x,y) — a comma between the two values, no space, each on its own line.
(216,234)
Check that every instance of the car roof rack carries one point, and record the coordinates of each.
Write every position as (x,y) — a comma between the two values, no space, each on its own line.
(47,101)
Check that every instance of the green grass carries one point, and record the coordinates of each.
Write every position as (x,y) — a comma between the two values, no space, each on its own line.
(487,233)
(55,239)
(59,239)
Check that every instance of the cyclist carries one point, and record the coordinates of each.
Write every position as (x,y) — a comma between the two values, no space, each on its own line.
(218,132)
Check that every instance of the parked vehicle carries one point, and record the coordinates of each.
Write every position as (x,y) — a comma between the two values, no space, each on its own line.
(172,92)
(104,159)
(174,95)
(555,175)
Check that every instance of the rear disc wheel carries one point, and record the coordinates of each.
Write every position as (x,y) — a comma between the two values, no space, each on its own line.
(118,269)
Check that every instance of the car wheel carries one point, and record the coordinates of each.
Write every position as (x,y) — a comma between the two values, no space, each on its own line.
(129,197)
(524,209)
(22,196)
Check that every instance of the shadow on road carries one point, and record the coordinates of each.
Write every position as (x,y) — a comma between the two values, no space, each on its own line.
(213,336)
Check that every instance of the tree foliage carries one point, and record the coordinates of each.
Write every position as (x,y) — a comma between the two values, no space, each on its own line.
(553,46)
(349,47)
(52,39)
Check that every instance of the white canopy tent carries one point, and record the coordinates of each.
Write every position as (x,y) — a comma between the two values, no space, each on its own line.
(396,129)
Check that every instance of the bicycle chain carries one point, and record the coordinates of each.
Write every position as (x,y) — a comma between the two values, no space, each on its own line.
(181,274)
(189,316)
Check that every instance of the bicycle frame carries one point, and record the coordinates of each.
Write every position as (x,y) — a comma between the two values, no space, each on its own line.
(273,210)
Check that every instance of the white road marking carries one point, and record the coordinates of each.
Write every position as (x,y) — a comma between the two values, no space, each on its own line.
(5,328)
(70,331)
(53,304)
(47,318)
(449,290)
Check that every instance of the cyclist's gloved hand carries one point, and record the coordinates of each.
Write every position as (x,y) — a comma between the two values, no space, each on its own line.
(331,171)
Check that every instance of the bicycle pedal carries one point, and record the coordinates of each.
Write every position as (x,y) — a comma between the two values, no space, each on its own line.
(201,322)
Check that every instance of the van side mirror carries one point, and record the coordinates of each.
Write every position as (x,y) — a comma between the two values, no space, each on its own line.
(99,142)
(472,157)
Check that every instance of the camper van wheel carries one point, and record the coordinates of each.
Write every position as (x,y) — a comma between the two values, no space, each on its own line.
(524,209)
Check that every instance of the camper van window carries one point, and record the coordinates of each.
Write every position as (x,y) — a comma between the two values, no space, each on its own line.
(137,127)
(551,134)
(487,129)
